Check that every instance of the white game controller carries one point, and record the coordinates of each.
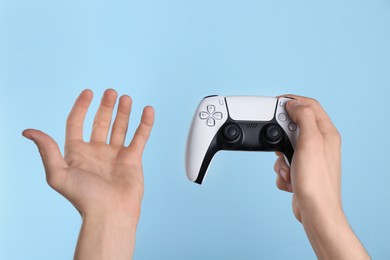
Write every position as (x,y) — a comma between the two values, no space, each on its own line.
(242,123)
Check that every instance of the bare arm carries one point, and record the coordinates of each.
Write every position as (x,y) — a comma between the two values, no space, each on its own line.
(103,181)
(315,180)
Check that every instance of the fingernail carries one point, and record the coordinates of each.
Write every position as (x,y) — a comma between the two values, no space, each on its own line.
(294,103)
(283,173)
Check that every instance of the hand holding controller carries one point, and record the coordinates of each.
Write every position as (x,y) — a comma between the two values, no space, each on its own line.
(244,123)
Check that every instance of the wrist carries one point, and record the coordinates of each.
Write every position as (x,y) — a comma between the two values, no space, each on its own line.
(314,210)
(112,211)
(330,234)
(322,218)
(111,219)
(106,236)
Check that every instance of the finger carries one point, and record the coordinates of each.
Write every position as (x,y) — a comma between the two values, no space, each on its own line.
(278,154)
(142,133)
(324,122)
(119,129)
(328,133)
(102,121)
(52,159)
(304,117)
(75,121)
(283,185)
(282,169)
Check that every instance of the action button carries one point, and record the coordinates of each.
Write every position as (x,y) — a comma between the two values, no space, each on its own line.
(292,126)
(282,102)
(282,117)
(210,121)
(217,115)
(203,115)
(211,109)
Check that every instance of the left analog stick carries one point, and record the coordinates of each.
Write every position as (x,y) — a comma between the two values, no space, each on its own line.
(231,132)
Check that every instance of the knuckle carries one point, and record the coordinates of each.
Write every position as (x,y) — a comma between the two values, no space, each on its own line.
(124,112)
(51,146)
(335,136)
(314,141)
(306,111)
(314,101)
(146,125)
(338,135)
(72,123)
(119,128)
(279,183)
(70,120)
(52,181)
(276,166)
(101,123)
(142,137)
(280,163)
(339,138)
(144,131)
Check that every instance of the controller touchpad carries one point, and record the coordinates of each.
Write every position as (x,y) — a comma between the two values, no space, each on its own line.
(251,108)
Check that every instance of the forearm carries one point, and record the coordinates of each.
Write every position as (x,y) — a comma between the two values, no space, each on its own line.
(331,236)
(106,237)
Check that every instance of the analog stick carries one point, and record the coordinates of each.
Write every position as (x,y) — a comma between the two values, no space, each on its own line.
(273,134)
(231,132)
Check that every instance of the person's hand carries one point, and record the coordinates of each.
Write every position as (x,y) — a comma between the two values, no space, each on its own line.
(315,172)
(315,180)
(103,181)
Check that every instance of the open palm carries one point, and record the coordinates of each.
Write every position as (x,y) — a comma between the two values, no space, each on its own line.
(95,176)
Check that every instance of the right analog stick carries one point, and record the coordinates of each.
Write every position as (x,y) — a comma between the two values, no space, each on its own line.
(273,134)
(231,132)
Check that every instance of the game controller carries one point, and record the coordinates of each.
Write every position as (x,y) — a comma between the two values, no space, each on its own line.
(239,123)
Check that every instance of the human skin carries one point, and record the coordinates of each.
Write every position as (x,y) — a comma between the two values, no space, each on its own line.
(315,181)
(103,181)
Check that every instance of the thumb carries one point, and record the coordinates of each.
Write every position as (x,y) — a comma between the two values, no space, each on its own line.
(52,158)
(303,116)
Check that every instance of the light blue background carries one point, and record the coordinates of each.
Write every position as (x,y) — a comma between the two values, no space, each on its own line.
(170,54)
